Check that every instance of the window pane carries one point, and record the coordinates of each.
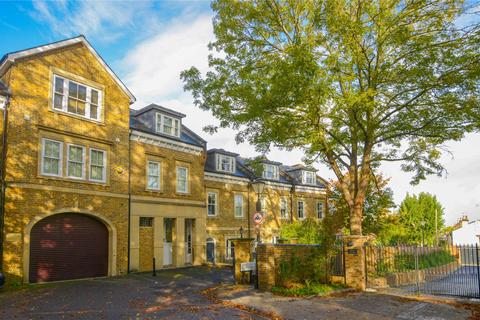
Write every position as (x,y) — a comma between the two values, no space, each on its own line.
(153,182)
(96,173)
(58,85)
(93,112)
(72,105)
(81,108)
(72,89)
(76,154)
(94,97)
(82,93)
(58,101)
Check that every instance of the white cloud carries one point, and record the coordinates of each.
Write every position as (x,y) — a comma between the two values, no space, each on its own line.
(106,20)
(152,71)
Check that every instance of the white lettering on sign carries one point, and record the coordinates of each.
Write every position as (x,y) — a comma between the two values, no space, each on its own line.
(247,266)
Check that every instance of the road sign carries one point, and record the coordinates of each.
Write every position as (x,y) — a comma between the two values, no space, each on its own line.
(258,218)
(247,266)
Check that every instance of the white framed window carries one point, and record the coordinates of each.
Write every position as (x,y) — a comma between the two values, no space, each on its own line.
(319,210)
(270,171)
(52,154)
(98,165)
(212,204)
(75,161)
(167,125)
(284,208)
(182,180)
(238,205)
(300,209)
(229,248)
(225,163)
(153,175)
(309,177)
(75,98)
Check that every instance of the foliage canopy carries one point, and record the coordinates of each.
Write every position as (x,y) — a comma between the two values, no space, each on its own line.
(351,82)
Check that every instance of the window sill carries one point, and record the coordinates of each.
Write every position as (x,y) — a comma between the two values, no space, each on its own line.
(101,123)
(67,179)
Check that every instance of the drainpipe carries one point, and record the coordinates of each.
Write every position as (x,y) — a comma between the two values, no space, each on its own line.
(6,93)
(292,191)
(129,197)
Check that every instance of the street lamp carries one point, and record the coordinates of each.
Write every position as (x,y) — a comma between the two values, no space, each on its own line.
(241,232)
(5,95)
(258,186)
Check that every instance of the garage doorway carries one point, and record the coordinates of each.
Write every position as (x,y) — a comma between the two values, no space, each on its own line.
(68,246)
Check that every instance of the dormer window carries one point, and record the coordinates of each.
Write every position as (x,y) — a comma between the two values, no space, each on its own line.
(225,163)
(270,171)
(308,177)
(167,125)
(75,98)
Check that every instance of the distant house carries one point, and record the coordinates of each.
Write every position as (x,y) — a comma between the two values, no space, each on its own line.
(467,234)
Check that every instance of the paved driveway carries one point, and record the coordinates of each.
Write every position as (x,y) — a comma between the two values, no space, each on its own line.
(173,294)
(182,294)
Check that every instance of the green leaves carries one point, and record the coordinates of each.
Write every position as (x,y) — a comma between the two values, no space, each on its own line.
(352,83)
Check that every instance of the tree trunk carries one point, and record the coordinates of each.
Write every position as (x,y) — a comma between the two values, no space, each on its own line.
(356,213)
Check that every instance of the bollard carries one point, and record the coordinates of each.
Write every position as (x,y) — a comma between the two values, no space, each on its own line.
(154,271)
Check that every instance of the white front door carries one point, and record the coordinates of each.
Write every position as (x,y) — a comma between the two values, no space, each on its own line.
(167,241)
(188,241)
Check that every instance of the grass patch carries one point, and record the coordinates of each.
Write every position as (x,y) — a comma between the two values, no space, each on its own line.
(309,289)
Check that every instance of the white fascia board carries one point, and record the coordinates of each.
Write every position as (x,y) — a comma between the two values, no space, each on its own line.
(10,59)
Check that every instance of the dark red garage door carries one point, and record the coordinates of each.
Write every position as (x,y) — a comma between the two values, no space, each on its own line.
(68,246)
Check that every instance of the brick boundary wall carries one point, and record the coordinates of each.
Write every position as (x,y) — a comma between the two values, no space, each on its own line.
(269,257)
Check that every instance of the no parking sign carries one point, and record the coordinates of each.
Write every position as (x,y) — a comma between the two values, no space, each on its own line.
(258,218)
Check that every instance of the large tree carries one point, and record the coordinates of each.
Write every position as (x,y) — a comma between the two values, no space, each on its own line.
(351,82)
(422,217)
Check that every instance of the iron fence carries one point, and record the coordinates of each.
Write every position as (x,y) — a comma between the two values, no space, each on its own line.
(444,270)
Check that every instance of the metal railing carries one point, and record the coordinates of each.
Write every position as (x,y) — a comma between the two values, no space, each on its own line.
(444,270)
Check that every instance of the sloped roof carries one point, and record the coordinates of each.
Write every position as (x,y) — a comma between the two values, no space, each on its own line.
(159,108)
(10,58)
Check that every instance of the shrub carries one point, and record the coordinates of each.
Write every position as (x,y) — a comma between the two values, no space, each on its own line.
(308,289)
(300,268)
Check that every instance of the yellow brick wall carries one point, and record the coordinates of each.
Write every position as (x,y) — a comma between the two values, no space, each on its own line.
(146,249)
(30,195)
(169,159)
(225,225)
(31,116)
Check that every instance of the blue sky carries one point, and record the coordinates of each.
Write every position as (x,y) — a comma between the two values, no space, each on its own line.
(148,44)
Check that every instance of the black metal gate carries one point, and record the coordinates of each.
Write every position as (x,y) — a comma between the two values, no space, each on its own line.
(440,270)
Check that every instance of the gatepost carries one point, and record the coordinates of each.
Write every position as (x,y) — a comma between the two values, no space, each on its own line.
(355,276)
(242,253)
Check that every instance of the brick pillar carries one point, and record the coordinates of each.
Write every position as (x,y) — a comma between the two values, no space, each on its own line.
(355,261)
(242,251)
(266,266)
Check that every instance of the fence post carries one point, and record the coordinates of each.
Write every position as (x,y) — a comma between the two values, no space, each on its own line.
(417,270)
(355,261)
(478,269)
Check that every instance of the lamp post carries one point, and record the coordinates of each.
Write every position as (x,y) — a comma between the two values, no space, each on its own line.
(5,95)
(241,232)
(258,186)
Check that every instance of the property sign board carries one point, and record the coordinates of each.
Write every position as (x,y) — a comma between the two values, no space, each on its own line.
(258,218)
(247,266)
